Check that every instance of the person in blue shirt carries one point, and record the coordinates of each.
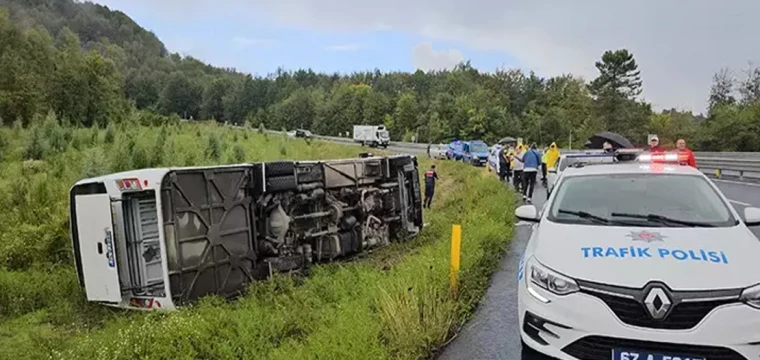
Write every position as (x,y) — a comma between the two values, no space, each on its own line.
(532,162)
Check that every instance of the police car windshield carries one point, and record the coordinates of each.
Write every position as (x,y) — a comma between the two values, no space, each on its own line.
(653,200)
(479,147)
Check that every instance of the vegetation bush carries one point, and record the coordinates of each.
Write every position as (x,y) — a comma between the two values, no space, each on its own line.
(391,304)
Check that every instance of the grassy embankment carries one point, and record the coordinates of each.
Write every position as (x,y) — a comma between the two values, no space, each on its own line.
(392,304)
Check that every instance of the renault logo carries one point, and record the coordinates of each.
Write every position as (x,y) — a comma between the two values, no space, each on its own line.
(657,303)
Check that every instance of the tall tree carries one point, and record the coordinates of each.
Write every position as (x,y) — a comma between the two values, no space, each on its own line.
(721,92)
(618,74)
(750,87)
(615,89)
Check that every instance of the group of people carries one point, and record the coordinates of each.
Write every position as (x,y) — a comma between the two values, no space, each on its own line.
(685,155)
(522,164)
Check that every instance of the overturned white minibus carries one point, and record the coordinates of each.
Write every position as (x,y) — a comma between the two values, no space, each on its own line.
(159,238)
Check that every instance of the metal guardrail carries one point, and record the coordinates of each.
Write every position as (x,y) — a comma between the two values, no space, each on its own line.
(741,165)
(742,168)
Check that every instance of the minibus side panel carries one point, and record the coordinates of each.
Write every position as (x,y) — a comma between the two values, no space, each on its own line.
(209,231)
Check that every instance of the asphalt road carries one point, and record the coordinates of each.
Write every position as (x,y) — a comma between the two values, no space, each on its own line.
(493,331)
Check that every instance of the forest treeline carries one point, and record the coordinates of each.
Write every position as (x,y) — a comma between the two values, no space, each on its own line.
(93,66)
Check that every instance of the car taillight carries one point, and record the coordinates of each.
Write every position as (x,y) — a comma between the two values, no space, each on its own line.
(145,303)
(129,184)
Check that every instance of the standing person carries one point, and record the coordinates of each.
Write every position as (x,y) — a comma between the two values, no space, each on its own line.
(517,167)
(607,147)
(685,155)
(428,150)
(430,177)
(552,156)
(544,159)
(654,144)
(531,160)
(510,152)
(503,163)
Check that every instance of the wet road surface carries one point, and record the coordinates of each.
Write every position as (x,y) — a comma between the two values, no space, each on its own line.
(493,332)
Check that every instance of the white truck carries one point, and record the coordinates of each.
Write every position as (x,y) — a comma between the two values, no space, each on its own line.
(372,135)
(154,239)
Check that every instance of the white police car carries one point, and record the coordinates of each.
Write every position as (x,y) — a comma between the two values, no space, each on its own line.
(640,260)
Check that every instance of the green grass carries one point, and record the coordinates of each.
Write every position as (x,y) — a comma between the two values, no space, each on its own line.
(391,304)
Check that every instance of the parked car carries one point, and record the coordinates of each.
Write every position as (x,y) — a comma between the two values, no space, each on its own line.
(300,133)
(438,151)
(454,150)
(475,152)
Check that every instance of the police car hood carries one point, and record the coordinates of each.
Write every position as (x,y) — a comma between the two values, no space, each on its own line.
(683,258)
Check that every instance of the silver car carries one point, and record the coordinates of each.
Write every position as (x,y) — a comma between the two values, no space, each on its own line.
(438,151)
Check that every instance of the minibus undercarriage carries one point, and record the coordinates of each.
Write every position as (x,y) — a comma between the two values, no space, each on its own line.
(214,230)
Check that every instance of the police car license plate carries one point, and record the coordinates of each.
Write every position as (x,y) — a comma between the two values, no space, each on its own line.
(643,355)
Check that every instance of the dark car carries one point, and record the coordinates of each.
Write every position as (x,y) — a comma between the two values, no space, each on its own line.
(301,133)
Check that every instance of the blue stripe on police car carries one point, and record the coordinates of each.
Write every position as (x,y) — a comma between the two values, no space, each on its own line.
(521,267)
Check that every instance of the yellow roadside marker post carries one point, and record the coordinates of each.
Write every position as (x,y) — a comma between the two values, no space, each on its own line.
(456,240)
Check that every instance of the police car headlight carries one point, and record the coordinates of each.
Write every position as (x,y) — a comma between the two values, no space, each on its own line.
(550,280)
(751,296)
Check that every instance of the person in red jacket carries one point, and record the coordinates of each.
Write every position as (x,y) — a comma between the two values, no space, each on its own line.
(654,145)
(686,156)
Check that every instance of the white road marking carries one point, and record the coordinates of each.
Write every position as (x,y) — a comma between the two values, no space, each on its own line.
(737,182)
(739,202)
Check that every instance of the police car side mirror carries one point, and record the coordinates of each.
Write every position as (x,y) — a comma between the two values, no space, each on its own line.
(752,216)
(527,213)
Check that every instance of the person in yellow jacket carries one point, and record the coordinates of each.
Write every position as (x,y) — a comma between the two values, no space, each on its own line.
(552,155)
(512,151)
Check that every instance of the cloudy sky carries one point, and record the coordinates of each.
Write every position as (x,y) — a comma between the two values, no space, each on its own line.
(678,44)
